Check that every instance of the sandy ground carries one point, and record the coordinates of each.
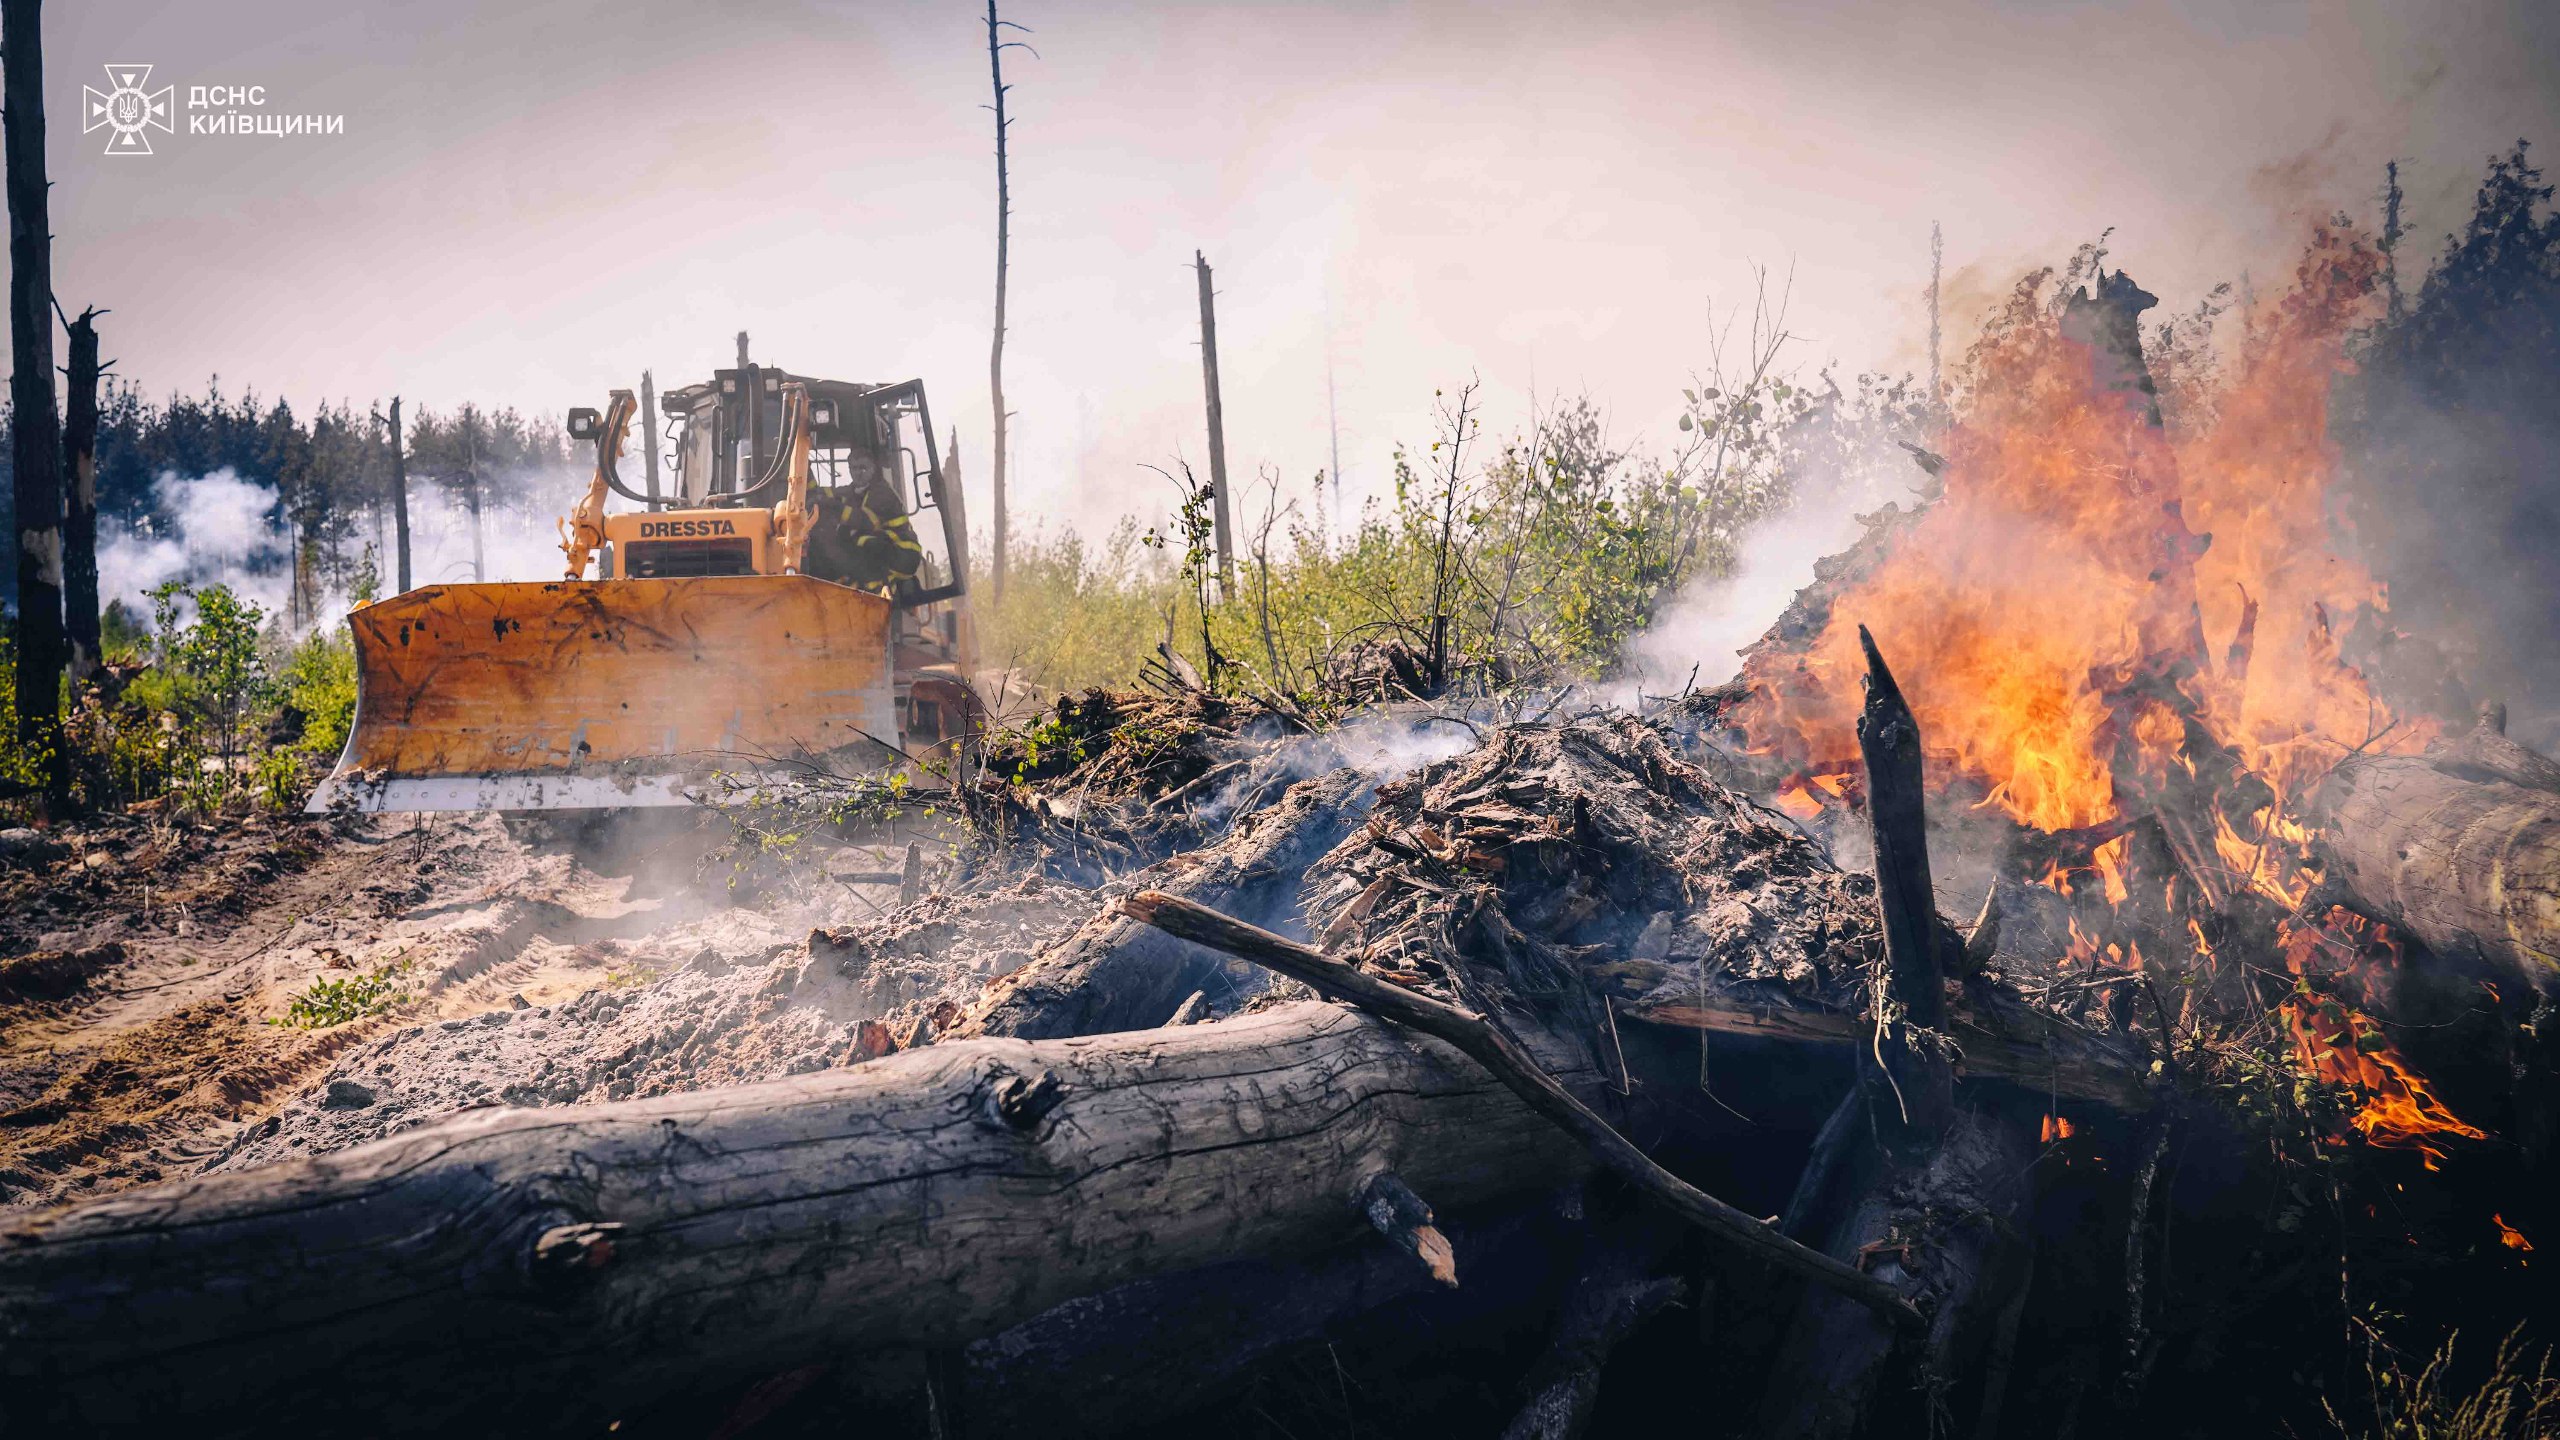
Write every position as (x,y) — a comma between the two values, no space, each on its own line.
(145,966)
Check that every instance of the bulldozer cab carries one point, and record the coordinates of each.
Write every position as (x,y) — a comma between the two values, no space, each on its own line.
(873,464)
(885,511)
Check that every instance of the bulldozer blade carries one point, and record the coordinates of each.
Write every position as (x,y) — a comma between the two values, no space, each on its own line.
(586,694)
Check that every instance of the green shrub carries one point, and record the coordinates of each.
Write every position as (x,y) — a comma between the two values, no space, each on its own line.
(319,684)
(1546,556)
(335,1001)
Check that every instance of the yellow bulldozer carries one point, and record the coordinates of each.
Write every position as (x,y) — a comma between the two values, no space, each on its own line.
(777,611)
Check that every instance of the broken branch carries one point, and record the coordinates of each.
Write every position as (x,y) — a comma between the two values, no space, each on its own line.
(1489,1047)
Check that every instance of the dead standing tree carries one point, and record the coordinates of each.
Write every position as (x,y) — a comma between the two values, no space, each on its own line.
(1225,524)
(80,514)
(996,46)
(1900,1160)
(400,494)
(36,428)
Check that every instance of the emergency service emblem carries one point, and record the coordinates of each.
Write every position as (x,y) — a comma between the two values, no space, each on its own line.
(127,110)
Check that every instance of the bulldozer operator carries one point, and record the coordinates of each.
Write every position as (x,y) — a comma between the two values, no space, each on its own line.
(868,539)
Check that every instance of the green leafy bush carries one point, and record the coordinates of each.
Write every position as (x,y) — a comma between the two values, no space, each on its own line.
(337,1000)
(318,684)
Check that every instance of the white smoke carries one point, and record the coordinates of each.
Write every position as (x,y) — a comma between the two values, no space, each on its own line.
(515,544)
(221,529)
(1862,467)
(1702,630)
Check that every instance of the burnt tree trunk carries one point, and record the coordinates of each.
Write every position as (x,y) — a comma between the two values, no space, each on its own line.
(400,495)
(35,430)
(80,514)
(538,1271)
(1902,1182)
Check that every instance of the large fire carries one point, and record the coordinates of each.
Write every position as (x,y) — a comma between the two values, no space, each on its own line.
(2115,615)
(2094,580)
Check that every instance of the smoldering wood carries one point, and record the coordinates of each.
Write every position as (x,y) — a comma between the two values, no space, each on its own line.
(2484,753)
(2471,868)
(1998,1036)
(1909,995)
(573,1265)
(1942,1230)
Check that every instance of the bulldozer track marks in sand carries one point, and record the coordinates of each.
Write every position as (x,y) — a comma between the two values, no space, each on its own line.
(158,1051)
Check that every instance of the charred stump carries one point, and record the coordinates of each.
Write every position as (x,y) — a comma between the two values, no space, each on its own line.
(1903,1179)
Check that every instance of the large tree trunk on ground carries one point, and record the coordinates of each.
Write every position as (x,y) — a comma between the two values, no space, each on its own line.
(533,1271)
(2472,870)
(1070,1370)
(35,431)
(1119,974)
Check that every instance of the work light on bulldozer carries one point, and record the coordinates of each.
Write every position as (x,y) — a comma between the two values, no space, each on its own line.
(776,611)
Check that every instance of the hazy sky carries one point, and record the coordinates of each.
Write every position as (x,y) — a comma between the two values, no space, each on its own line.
(530,202)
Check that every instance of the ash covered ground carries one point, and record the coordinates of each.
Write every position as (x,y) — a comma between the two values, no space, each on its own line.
(151,966)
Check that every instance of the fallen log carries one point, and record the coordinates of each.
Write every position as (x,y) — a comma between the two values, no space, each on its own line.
(1616,1289)
(2471,869)
(536,1271)
(1068,1372)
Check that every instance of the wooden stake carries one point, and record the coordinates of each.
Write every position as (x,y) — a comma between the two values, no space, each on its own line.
(649,433)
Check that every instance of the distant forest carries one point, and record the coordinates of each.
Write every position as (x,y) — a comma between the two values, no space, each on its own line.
(331,471)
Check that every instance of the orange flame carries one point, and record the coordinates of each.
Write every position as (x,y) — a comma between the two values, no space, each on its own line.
(1804,796)
(2510,1236)
(2338,1043)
